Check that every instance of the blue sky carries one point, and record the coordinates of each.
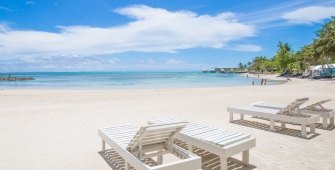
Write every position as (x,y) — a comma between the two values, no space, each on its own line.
(151,35)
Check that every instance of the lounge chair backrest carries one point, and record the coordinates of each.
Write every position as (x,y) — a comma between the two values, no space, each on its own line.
(155,134)
(294,105)
(314,106)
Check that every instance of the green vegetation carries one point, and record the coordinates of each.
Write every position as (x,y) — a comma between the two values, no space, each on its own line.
(320,52)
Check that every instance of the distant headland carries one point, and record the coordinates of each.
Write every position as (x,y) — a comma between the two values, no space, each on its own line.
(224,70)
(9,78)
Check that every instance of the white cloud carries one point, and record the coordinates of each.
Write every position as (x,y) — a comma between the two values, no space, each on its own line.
(271,16)
(3,28)
(154,30)
(246,47)
(58,63)
(173,61)
(30,3)
(309,15)
(114,60)
(82,63)
(4,8)
(147,61)
(28,59)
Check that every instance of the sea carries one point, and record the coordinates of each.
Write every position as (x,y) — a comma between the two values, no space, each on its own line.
(128,80)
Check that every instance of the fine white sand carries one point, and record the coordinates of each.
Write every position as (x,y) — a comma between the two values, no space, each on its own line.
(57,129)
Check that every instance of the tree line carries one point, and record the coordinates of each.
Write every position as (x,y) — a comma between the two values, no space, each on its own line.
(286,60)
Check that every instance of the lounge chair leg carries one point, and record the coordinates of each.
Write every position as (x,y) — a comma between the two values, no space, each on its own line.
(231,117)
(283,125)
(324,121)
(245,157)
(312,128)
(103,145)
(160,158)
(190,147)
(303,131)
(242,116)
(126,166)
(332,121)
(223,163)
(272,125)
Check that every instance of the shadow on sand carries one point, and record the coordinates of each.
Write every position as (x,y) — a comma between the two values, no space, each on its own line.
(212,162)
(209,160)
(277,129)
(116,162)
(317,125)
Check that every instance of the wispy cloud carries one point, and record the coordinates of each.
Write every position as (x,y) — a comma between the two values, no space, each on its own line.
(286,14)
(154,30)
(309,15)
(246,47)
(30,3)
(173,61)
(4,8)
(147,61)
(114,60)
(4,27)
(59,62)
(97,63)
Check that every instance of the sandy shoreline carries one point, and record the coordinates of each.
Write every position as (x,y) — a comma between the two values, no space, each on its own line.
(57,129)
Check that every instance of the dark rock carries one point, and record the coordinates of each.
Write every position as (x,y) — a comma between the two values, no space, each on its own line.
(9,78)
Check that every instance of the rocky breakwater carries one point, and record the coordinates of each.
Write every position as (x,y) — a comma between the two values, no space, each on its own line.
(9,78)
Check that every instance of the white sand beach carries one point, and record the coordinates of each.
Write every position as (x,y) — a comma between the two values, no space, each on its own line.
(57,129)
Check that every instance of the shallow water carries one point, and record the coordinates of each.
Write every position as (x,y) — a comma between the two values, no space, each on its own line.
(128,80)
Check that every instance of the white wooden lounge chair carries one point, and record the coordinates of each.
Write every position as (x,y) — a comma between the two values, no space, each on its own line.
(221,142)
(315,108)
(133,144)
(290,113)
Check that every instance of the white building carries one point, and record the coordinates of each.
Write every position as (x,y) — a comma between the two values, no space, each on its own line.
(320,70)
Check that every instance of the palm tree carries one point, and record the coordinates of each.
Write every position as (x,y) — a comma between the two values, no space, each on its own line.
(324,45)
(258,63)
(284,55)
(240,66)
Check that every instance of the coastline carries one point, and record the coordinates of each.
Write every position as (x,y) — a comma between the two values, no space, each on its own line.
(128,81)
(57,129)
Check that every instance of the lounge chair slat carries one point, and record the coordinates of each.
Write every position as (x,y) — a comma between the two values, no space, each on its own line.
(158,134)
(233,140)
(196,134)
(212,133)
(155,138)
(151,138)
(207,134)
(121,130)
(192,128)
(205,130)
(214,137)
(287,114)
(218,136)
(198,131)
(113,134)
(153,142)
(167,127)
(226,137)
(308,110)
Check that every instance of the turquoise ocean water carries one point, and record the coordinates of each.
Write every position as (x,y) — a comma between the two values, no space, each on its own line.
(127,80)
